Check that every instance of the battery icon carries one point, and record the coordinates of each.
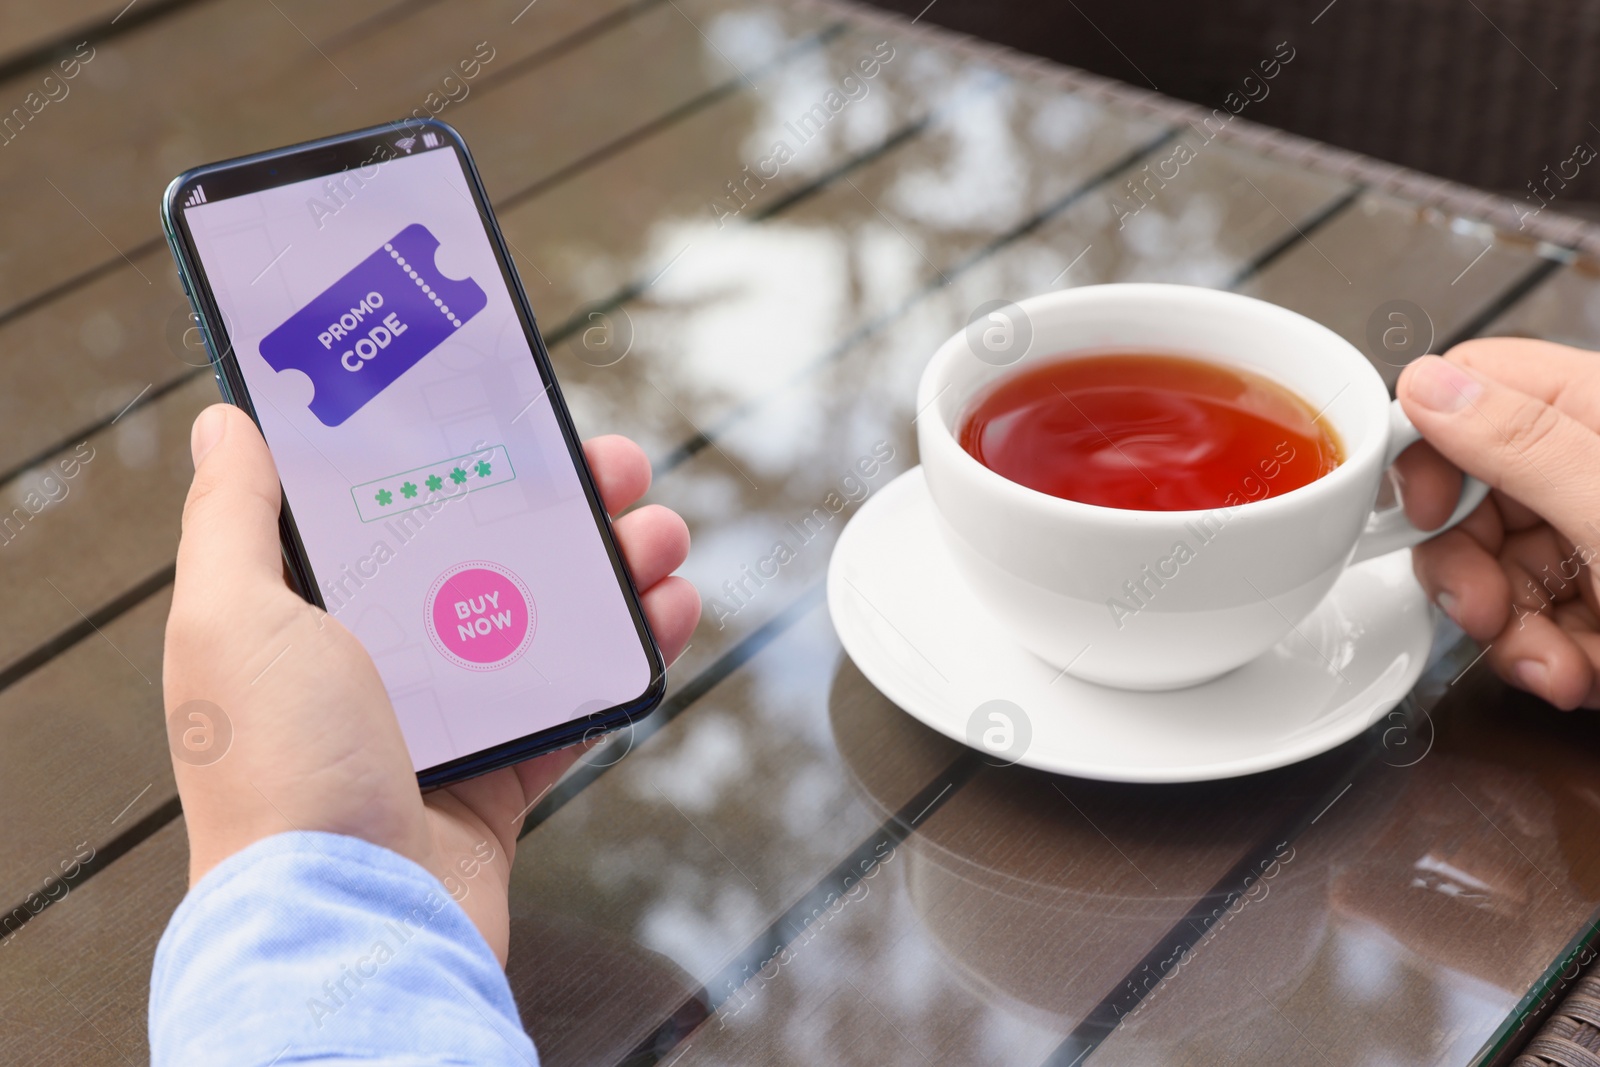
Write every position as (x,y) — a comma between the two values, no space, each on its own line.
(430,140)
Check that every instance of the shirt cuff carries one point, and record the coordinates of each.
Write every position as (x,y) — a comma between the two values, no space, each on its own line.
(315,947)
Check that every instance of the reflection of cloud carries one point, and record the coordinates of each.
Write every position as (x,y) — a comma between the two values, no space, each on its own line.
(136,442)
(753,38)
(102,334)
(916,969)
(1374,968)
(721,547)
(711,754)
(698,942)
(750,305)
(1368,962)
(982,179)
(789,94)
(808,798)
(1183,248)
(868,120)
(749,38)
(757,305)
(1061,122)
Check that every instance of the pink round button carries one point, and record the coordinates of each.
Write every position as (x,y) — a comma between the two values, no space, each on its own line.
(480,615)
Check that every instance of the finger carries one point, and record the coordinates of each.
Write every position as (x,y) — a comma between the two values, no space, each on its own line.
(501,800)
(1518,444)
(1535,654)
(533,779)
(1467,582)
(1429,485)
(1526,593)
(654,542)
(672,606)
(1515,514)
(1485,525)
(1590,643)
(538,775)
(1559,375)
(494,799)
(1482,525)
(1552,571)
(1578,619)
(621,470)
(1581,624)
(230,520)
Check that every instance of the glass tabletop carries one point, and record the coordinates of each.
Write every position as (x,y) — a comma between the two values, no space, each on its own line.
(780,865)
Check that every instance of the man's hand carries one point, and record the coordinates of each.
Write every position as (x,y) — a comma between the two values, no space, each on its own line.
(1523,416)
(315,744)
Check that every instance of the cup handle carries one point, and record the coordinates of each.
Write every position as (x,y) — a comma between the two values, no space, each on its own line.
(1389,530)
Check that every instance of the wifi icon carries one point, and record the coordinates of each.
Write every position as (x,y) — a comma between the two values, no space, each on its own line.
(405,144)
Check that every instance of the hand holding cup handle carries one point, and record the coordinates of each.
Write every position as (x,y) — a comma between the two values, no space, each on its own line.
(1518,575)
(1389,530)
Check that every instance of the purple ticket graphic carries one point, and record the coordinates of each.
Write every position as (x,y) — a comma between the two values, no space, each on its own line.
(373,325)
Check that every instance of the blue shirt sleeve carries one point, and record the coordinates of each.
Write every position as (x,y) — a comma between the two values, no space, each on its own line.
(313,948)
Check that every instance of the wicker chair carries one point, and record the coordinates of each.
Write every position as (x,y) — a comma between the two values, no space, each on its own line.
(1571,1036)
(1463,91)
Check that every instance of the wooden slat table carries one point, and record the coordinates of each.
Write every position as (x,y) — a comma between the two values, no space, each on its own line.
(1432,877)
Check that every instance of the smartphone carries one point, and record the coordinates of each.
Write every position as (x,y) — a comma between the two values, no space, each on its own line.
(358,301)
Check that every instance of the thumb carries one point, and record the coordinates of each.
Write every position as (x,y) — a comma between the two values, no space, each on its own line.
(1520,445)
(230,520)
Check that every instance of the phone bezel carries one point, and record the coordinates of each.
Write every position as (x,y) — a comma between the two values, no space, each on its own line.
(353,151)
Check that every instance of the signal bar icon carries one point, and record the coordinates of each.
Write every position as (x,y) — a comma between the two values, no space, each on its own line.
(196,198)
(430,140)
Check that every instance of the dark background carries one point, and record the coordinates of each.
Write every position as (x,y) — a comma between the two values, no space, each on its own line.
(1484,92)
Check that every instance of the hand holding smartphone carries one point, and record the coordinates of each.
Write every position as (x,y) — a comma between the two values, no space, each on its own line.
(360,304)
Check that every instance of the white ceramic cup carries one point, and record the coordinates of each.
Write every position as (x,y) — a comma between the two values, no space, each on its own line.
(1053,571)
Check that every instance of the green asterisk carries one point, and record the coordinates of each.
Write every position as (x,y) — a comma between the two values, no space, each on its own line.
(435,483)
(458,476)
(482,468)
(383,497)
(409,490)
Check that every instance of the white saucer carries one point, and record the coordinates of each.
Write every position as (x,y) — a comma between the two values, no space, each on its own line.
(908,621)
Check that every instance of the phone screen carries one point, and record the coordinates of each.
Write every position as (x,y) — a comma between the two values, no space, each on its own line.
(434,492)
